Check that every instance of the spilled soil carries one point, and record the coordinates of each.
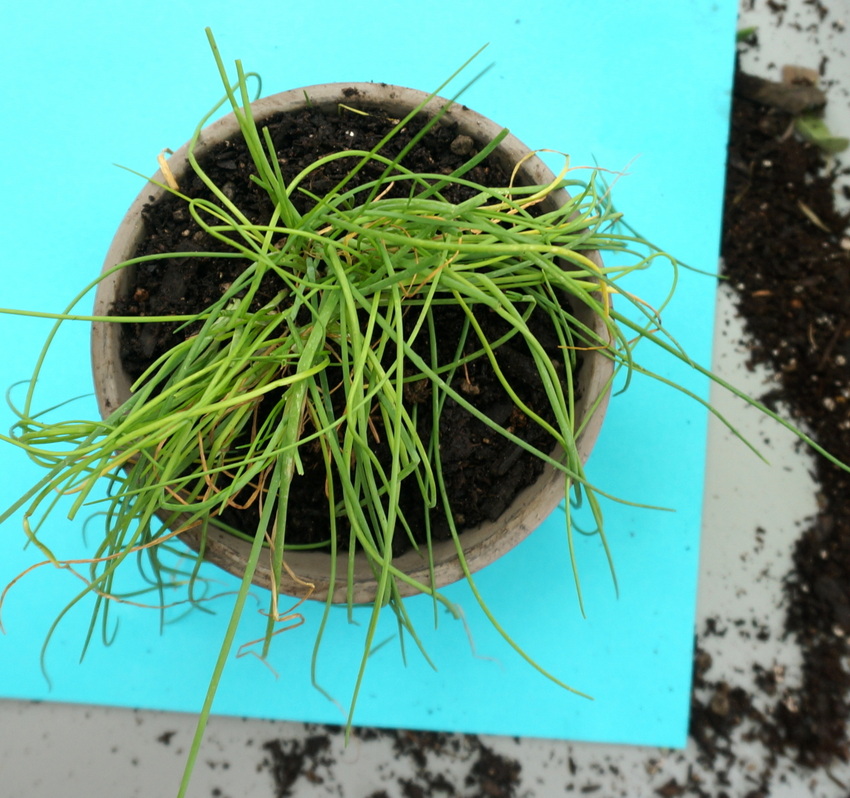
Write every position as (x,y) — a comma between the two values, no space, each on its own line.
(479,771)
(787,255)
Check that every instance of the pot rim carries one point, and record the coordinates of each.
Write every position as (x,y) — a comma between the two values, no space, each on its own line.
(482,544)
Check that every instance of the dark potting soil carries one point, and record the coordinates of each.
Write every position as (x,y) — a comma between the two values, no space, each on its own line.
(787,255)
(483,470)
(479,772)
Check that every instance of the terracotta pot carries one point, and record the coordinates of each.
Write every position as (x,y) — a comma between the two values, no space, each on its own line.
(483,544)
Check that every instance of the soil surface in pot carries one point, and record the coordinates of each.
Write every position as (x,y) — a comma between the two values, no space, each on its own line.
(484,471)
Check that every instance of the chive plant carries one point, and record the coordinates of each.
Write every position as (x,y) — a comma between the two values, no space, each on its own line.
(359,276)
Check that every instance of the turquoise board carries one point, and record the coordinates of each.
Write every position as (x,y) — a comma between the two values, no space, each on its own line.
(640,87)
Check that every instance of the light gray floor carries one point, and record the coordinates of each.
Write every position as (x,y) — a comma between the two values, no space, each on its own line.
(51,750)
